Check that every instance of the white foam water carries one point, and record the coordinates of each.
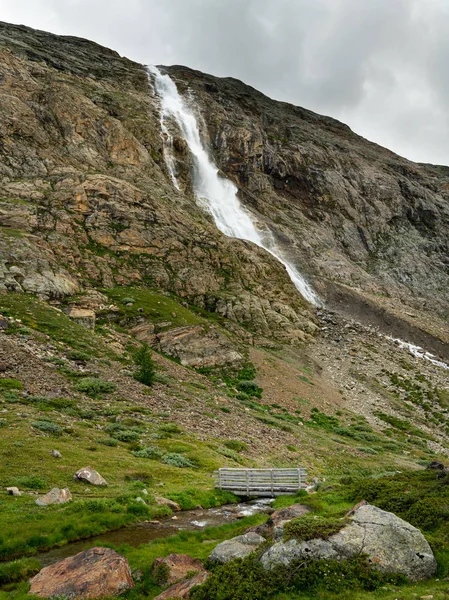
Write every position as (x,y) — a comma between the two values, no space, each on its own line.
(216,194)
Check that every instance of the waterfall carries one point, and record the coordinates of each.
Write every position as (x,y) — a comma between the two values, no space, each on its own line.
(216,194)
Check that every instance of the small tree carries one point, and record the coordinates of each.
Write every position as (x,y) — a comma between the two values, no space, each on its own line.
(146,371)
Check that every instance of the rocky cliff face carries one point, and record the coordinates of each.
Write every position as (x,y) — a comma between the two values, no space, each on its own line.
(357,218)
(86,200)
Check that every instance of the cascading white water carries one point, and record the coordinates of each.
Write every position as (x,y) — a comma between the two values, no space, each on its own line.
(217,194)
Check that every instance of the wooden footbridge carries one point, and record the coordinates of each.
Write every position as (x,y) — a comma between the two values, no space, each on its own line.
(260,482)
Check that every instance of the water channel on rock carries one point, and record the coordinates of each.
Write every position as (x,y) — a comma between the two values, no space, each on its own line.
(147,531)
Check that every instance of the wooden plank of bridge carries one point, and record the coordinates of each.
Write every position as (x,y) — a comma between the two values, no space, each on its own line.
(260,481)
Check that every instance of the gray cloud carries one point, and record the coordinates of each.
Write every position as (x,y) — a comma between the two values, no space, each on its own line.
(378,65)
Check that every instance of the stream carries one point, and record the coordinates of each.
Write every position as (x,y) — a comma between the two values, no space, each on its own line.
(147,531)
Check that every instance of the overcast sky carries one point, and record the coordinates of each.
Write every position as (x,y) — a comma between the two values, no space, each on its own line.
(381,66)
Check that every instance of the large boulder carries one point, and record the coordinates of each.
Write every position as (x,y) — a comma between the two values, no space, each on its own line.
(196,346)
(391,544)
(55,496)
(237,547)
(182,589)
(174,567)
(94,573)
(89,475)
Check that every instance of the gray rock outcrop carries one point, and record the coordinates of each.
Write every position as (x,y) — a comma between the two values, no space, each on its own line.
(391,544)
(55,496)
(89,475)
(237,547)
(196,346)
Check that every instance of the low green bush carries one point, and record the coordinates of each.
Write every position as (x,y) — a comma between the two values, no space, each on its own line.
(94,386)
(229,454)
(247,579)
(111,442)
(312,526)
(126,435)
(8,383)
(79,356)
(32,482)
(148,452)
(235,445)
(177,460)
(47,427)
(170,428)
(249,387)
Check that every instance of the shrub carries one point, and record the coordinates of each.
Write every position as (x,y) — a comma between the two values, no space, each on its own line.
(311,526)
(94,386)
(126,435)
(9,383)
(229,454)
(177,460)
(170,428)
(146,371)
(323,421)
(32,482)
(428,513)
(111,442)
(367,450)
(160,573)
(47,427)
(78,356)
(148,452)
(249,387)
(248,580)
(236,445)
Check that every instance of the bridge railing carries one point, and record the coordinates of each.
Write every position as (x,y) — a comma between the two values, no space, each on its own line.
(260,482)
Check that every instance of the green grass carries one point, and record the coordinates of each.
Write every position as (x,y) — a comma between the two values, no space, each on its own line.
(39,316)
(154,306)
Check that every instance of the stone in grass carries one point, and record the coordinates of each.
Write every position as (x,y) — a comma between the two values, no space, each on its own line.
(237,547)
(391,545)
(94,573)
(174,567)
(182,589)
(14,491)
(160,501)
(89,475)
(55,496)
(56,454)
